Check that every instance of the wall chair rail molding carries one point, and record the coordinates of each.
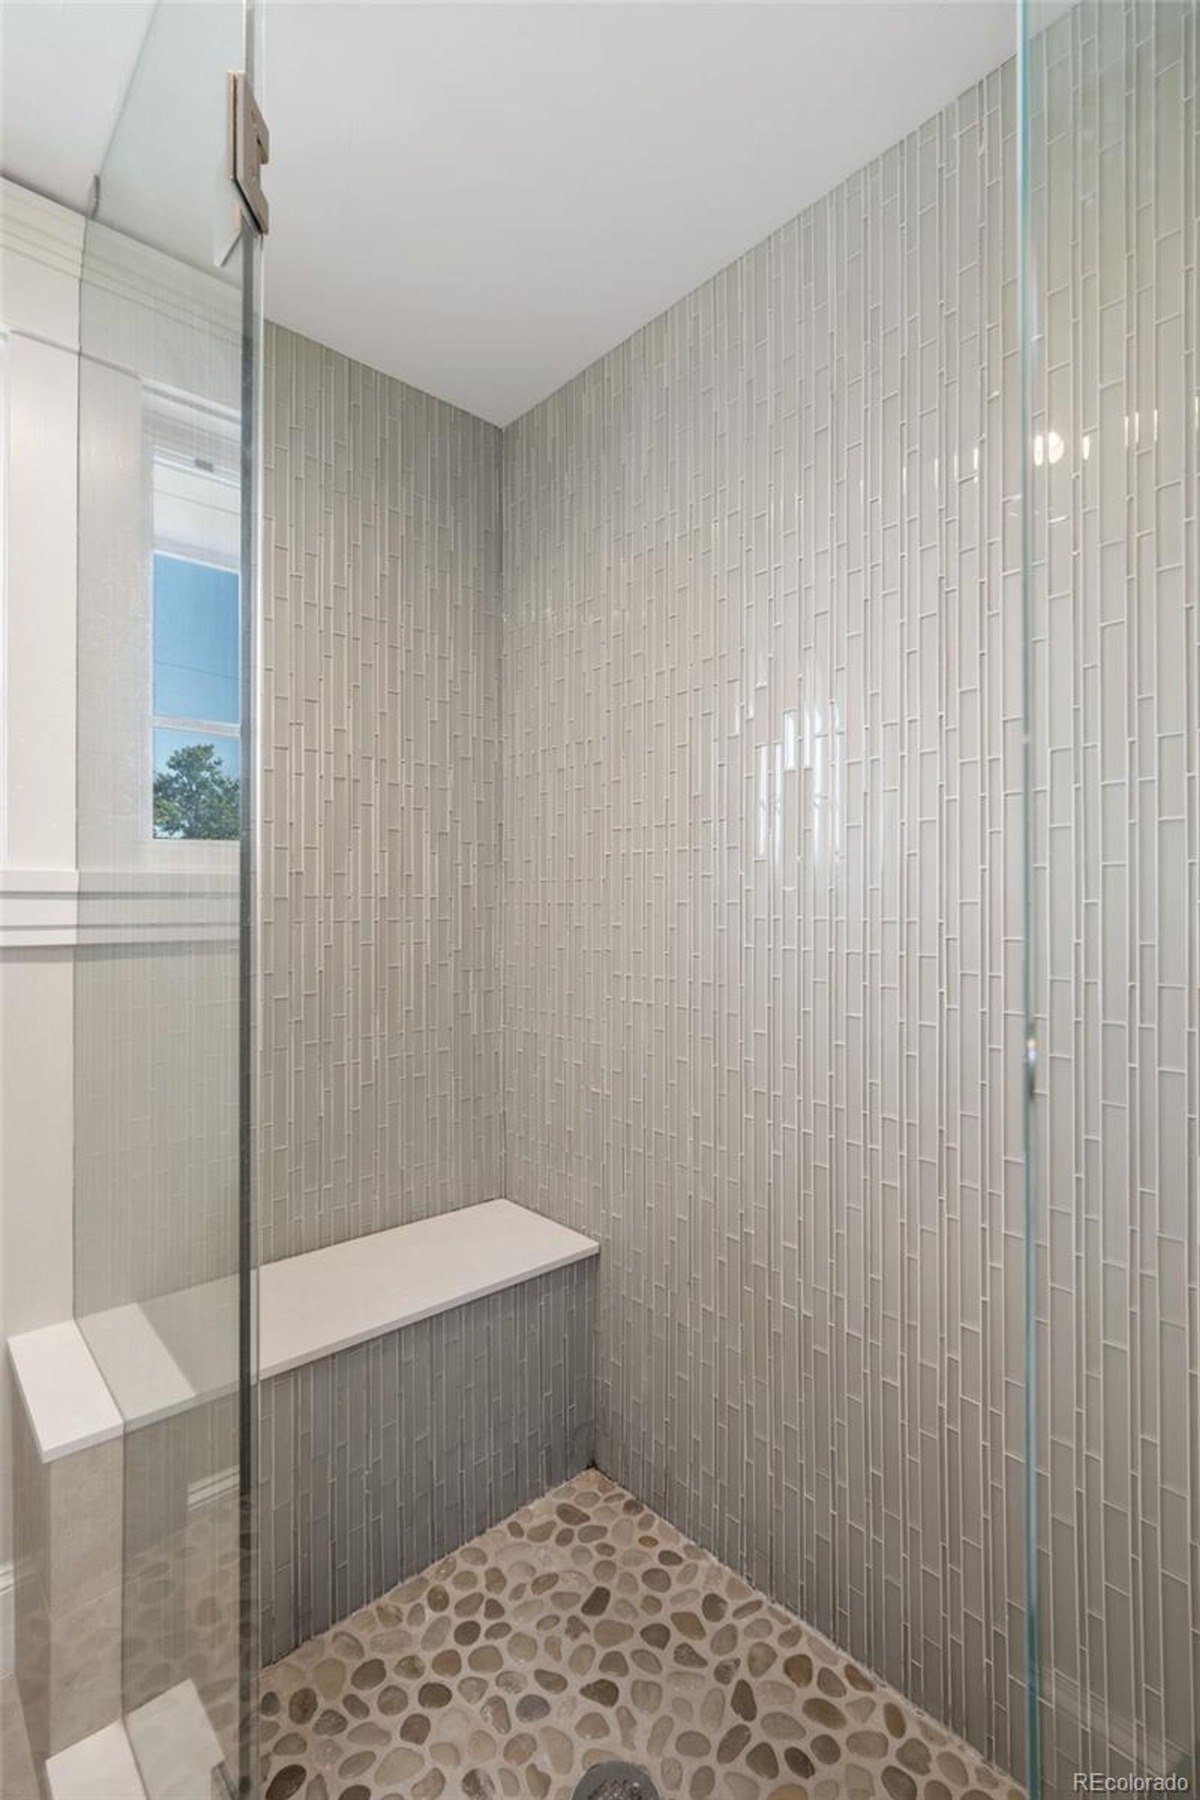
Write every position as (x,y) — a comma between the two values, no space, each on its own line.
(38,908)
(54,908)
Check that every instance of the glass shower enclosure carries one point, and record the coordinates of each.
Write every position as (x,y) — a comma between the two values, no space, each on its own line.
(168,385)
(1110,195)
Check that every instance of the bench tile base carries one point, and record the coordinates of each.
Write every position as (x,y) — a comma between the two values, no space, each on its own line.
(381,1458)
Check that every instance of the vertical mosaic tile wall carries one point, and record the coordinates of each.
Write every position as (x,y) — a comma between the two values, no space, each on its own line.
(380,1092)
(762,890)
(1116,223)
(762,919)
(376,1461)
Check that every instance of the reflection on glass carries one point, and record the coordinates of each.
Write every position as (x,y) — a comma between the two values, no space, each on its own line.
(161,1264)
(195,640)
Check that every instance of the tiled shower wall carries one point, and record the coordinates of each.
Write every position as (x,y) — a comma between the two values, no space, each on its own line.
(380,1096)
(1115,205)
(763,897)
(762,904)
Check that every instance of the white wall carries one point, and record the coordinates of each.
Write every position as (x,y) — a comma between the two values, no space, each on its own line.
(132,316)
(40,252)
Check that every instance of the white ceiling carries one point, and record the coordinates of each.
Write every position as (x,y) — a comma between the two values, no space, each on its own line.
(483,198)
(65,67)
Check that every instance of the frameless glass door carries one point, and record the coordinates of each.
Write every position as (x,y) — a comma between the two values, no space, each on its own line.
(1111,349)
(165,757)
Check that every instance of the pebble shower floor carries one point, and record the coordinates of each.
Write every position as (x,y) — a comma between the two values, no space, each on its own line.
(585,1628)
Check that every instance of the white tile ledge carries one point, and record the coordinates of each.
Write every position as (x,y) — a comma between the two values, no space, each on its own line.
(166,1748)
(99,1767)
(66,1397)
(159,1357)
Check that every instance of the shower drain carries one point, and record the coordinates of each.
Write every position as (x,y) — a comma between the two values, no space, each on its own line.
(615,1781)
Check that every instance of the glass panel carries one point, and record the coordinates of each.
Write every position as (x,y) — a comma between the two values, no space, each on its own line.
(196,639)
(167,378)
(1112,573)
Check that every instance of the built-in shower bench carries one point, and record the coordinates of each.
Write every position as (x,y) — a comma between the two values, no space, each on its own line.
(415,1385)
(345,1294)
(141,1362)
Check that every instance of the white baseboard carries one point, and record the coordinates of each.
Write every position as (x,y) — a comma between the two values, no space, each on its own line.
(7,1593)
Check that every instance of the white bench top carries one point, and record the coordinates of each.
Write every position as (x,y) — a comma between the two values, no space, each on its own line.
(329,1299)
(162,1355)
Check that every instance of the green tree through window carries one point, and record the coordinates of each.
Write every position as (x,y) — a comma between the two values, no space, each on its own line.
(194,797)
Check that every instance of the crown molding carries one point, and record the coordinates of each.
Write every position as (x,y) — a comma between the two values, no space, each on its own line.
(160,320)
(69,281)
(177,291)
(41,261)
(41,229)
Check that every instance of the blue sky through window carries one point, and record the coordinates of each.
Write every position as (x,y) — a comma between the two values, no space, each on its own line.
(196,642)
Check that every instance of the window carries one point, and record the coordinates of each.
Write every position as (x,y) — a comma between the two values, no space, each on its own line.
(197,744)
(196,631)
